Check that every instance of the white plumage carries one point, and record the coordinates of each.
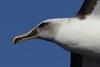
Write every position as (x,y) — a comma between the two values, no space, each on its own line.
(79,34)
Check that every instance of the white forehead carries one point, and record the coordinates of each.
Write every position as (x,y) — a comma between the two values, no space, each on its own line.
(56,23)
(57,20)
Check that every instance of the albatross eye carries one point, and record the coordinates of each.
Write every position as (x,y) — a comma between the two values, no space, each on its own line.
(43,25)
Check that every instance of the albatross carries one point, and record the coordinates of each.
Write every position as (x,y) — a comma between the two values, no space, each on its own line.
(79,34)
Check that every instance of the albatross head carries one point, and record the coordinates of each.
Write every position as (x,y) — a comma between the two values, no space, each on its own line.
(46,30)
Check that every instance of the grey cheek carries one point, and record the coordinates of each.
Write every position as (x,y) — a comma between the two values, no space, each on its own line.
(41,34)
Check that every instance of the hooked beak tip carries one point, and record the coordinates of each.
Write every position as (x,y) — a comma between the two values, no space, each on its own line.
(15,39)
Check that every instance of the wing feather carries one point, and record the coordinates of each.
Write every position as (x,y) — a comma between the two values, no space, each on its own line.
(87,8)
(76,60)
(84,61)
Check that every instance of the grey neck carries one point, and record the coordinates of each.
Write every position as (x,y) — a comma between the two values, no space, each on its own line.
(96,11)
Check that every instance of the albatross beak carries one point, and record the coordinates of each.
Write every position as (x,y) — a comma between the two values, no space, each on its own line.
(30,35)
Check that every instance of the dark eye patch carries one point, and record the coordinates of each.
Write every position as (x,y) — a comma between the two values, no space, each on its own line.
(42,25)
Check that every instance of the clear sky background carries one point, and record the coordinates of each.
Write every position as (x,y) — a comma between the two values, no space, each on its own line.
(20,16)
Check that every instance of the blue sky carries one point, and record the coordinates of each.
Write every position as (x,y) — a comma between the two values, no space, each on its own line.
(20,16)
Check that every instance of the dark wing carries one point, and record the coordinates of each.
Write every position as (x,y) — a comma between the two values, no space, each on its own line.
(76,60)
(84,61)
(87,8)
